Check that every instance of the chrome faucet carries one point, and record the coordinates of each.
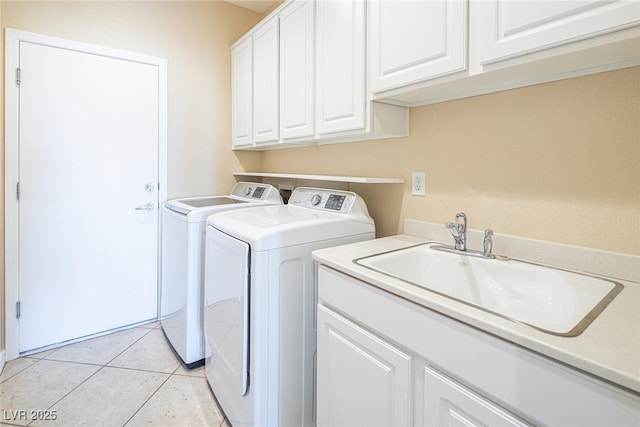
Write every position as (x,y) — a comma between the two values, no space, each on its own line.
(459,231)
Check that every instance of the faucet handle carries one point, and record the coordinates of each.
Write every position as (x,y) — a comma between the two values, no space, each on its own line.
(488,242)
(461,227)
(459,231)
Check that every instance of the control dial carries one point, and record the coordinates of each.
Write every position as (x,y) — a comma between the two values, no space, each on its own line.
(247,191)
(316,199)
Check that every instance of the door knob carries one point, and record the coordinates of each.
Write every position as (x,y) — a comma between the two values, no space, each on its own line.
(145,207)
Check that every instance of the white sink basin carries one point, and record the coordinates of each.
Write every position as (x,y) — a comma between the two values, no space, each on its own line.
(553,300)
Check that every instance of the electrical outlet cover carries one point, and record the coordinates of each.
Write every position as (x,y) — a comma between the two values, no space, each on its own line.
(418,183)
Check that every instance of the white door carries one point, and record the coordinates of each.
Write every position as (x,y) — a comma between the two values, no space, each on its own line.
(88,170)
(226,317)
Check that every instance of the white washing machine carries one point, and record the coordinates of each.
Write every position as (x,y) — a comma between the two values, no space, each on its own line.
(183,241)
(260,302)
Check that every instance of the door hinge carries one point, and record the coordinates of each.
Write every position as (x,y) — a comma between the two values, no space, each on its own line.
(18,191)
(18,310)
(18,76)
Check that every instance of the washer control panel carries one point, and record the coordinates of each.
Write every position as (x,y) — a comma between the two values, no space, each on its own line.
(255,191)
(323,199)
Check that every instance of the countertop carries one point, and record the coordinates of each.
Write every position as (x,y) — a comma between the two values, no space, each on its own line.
(609,348)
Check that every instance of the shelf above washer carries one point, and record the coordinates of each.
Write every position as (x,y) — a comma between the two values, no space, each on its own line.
(351,179)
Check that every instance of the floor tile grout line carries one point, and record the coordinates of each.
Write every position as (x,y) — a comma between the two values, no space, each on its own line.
(106,365)
(21,370)
(177,372)
(53,348)
(138,370)
(129,346)
(74,388)
(101,367)
(146,401)
(37,361)
(10,424)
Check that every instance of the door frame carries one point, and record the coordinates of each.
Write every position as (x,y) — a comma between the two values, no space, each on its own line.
(11,162)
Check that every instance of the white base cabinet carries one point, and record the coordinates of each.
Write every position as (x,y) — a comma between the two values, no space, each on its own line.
(446,402)
(383,360)
(365,380)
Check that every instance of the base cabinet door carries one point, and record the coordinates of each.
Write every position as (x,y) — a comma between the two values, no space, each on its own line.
(361,379)
(447,403)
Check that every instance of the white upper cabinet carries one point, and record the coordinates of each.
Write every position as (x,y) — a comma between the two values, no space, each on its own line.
(300,77)
(413,40)
(266,78)
(242,93)
(514,28)
(297,70)
(427,51)
(340,66)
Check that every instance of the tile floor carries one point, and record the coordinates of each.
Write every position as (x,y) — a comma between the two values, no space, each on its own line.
(130,377)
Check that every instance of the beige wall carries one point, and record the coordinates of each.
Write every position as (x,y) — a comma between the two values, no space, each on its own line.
(557,162)
(194,37)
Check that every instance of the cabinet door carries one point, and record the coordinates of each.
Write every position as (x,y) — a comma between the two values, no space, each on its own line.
(513,28)
(362,380)
(447,403)
(296,70)
(242,93)
(340,62)
(413,41)
(266,90)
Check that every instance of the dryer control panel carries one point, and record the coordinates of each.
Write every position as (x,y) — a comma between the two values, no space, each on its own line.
(324,199)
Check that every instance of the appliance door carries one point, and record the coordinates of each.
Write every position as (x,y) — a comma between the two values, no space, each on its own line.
(227,315)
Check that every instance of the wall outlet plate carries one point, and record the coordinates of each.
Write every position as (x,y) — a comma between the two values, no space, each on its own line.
(418,183)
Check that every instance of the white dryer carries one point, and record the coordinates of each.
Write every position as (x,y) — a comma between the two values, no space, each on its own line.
(183,241)
(260,302)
